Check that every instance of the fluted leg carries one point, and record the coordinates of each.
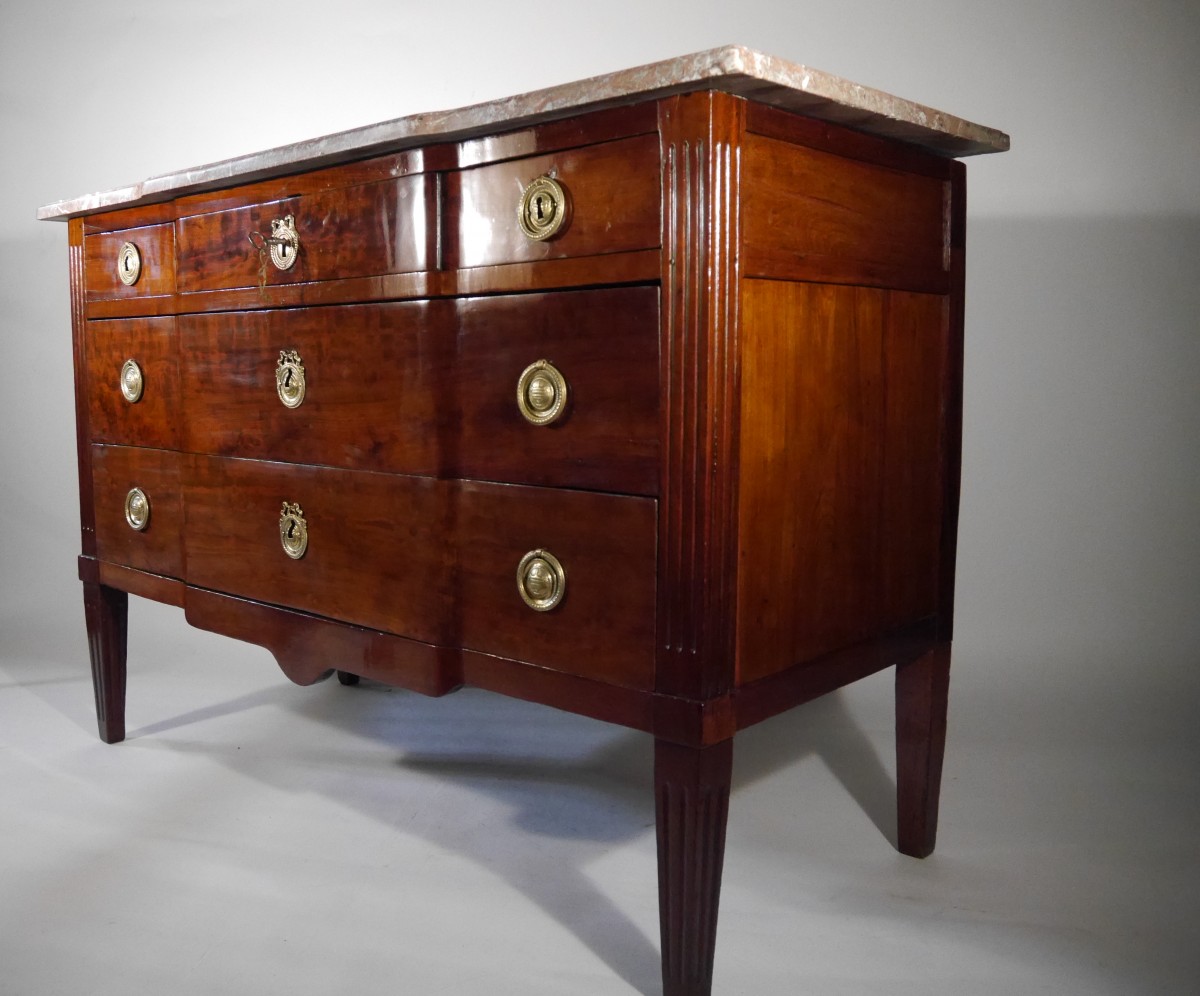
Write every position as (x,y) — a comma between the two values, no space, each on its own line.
(107,613)
(692,792)
(921,692)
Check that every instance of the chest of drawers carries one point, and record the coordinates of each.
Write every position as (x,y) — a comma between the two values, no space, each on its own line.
(638,397)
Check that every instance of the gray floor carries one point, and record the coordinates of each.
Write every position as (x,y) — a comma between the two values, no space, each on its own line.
(255,837)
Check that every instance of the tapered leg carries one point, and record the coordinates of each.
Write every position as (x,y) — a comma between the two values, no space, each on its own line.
(921,691)
(692,791)
(107,613)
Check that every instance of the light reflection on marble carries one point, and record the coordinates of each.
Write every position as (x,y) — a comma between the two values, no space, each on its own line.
(732,69)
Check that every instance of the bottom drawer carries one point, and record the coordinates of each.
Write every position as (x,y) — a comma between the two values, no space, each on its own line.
(371,556)
(137,504)
(436,561)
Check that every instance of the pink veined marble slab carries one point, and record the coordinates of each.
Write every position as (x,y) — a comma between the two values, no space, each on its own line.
(732,69)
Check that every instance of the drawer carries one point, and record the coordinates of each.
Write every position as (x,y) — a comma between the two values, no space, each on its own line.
(604,346)
(604,626)
(375,553)
(156,546)
(359,231)
(148,268)
(133,382)
(612,192)
(367,373)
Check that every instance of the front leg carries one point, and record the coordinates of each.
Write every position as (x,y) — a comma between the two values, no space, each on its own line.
(107,613)
(922,687)
(691,786)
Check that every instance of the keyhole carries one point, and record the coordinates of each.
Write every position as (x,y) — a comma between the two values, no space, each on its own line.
(291,528)
(287,379)
(125,263)
(283,251)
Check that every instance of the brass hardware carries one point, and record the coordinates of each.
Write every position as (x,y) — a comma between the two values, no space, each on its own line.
(137,509)
(541,580)
(541,393)
(289,378)
(129,264)
(132,381)
(293,530)
(543,209)
(283,242)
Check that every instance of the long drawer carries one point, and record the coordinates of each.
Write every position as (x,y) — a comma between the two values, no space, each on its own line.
(437,561)
(449,388)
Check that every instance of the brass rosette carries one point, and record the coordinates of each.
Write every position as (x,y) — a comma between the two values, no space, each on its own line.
(129,264)
(541,580)
(132,381)
(137,509)
(544,209)
(541,393)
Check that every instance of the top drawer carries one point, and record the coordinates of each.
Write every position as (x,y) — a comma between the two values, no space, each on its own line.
(361,231)
(133,262)
(611,193)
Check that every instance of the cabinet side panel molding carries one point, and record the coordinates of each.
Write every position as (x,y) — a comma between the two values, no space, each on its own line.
(638,397)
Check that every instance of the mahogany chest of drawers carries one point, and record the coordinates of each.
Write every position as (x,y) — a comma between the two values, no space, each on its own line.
(638,397)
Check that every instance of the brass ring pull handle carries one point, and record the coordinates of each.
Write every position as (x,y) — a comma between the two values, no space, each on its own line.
(541,580)
(137,509)
(544,209)
(293,530)
(541,393)
(289,378)
(129,264)
(283,242)
(132,381)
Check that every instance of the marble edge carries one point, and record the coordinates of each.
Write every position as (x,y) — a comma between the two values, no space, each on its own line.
(732,68)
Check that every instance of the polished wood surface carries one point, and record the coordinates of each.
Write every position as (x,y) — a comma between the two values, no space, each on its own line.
(604,627)
(811,215)
(840,474)
(753,488)
(614,205)
(154,419)
(159,547)
(376,228)
(375,552)
(155,245)
(605,343)
(373,373)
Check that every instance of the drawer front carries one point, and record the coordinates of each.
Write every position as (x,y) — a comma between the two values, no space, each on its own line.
(367,372)
(133,382)
(604,626)
(613,193)
(374,555)
(604,344)
(360,231)
(116,471)
(152,260)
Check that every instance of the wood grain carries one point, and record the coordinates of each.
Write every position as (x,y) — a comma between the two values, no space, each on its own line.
(613,191)
(372,375)
(810,215)
(605,343)
(376,552)
(367,230)
(154,419)
(159,547)
(604,626)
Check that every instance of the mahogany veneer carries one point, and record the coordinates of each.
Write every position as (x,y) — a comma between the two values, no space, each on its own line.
(752,486)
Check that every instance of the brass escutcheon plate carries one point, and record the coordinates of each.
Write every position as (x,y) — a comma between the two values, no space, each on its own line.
(543,210)
(137,509)
(285,242)
(541,393)
(290,382)
(541,580)
(132,382)
(293,530)
(129,264)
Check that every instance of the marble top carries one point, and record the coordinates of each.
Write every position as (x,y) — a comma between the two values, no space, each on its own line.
(732,69)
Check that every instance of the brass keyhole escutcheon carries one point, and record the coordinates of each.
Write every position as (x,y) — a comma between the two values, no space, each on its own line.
(293,530)
(290,382)
(544,208)
(132,381)
(137,509)
(541,393)
(282,245)
(129,264)
(541,580)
